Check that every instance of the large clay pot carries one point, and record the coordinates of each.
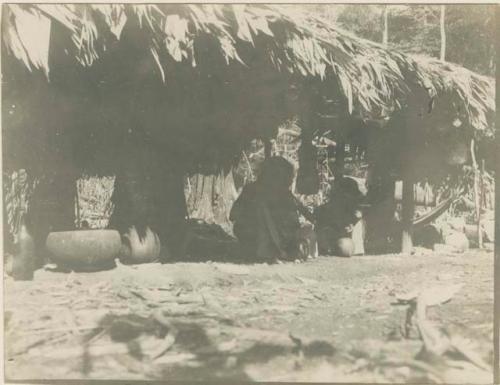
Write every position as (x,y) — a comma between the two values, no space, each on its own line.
(471,234)
(488,233)
(140,249)
(457,240)
(84,250)
(345,247)
(489,230)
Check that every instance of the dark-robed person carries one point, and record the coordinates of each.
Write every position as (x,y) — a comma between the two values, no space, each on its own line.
(340,219)
(266,216)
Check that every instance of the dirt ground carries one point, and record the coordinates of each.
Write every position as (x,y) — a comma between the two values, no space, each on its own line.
(328,319)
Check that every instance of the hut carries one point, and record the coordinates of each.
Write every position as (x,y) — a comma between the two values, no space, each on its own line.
(154,92)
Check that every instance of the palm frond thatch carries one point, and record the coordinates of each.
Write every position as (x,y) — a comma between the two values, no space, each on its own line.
(474,94)
(373,80)
(26,34)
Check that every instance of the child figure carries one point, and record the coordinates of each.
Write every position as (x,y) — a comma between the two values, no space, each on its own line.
(341,218)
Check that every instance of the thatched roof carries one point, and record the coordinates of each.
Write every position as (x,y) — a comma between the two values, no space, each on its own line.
(367,77)
(371,78)
(471,94)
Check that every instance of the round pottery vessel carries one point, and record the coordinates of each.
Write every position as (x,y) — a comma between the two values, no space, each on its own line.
(457,240)
(345,247)
(138,249)
(85,250)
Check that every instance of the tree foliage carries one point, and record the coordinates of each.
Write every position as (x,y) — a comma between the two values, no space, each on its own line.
(470,30)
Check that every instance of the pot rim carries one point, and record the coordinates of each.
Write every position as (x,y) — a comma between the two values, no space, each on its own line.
(85,231)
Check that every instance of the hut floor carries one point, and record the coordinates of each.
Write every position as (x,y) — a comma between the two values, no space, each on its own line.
(244,322)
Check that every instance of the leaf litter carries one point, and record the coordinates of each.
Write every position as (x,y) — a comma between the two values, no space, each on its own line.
(123,328)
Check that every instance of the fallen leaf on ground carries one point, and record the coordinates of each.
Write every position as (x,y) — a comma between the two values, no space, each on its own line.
(174,358)
(464,346)
(307,281)
(233,269)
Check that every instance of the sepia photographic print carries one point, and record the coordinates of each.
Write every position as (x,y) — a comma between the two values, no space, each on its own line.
(249,192)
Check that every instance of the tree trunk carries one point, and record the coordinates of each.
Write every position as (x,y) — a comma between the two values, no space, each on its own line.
(442,55)
(385,37)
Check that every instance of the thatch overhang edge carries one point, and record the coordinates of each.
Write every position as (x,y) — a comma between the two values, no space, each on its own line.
(370,76)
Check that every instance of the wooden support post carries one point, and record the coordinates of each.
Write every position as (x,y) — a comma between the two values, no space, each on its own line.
(481,204)
(268,147)
(340,160)
(408,210)
(477,194)
(410,138)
